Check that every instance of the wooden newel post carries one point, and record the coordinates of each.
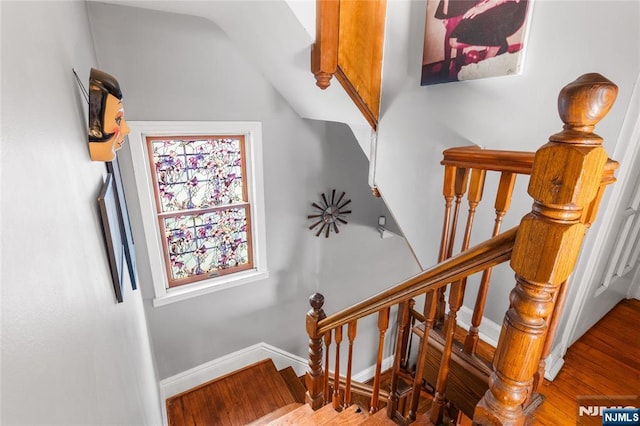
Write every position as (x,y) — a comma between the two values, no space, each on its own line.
(565,179)
(314,378)
(324,52)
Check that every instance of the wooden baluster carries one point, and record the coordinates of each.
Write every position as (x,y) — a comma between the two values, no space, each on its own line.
(324,52)
(383,324)
(434,301)
(327,345)
(448,191)
(565,179)
(403,322)
(314,377)
(460,187)
(434,306)
(430,304)
(476,187)
(406,338)
(502,204)
(462,177)
(337,401)
(456,297)
(351,334)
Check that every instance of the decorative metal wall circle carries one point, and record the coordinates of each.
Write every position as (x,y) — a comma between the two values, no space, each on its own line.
(331,214)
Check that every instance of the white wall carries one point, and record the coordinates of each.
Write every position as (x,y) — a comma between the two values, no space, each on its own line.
(176,67)
(567,39)
(184,68)
(70,354)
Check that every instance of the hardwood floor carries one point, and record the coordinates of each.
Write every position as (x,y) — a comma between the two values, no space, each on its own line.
(604,361)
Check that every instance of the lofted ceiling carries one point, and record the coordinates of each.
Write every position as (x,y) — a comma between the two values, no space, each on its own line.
(276,36)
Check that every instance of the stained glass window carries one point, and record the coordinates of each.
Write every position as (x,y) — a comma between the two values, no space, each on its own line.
(202,205)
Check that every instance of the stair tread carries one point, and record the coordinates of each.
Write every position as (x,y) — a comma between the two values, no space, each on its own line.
(319,417)
(275,415)
(295,417)
(353,415)
(295,384)
(379,418)
(305,416)
(217,401)
(422,420)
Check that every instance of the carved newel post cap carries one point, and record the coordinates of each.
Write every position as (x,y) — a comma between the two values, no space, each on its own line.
(316,301)
(585,101)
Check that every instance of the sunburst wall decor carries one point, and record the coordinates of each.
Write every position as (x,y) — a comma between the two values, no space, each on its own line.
(331,214)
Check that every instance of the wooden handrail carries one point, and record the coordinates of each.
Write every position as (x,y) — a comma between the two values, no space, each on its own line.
(519,162)
(320,327)
(485,255)
(475,157)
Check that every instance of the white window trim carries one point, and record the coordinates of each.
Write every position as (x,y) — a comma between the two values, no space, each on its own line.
(252,131)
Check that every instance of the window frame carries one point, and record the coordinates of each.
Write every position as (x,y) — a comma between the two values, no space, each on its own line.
(252,132)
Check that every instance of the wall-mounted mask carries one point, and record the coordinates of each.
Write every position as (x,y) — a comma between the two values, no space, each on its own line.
(107,125)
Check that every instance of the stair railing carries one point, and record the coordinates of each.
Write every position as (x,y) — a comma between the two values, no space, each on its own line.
(465,172)
(321,327)
(567,181)
(459,164)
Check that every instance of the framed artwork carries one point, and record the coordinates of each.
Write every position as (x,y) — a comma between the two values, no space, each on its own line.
(109,211)
(472,39)
(125,226)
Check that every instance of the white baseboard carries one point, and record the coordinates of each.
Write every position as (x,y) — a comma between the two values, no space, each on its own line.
(368,373)
(634,288)
(553,363)
(224,365)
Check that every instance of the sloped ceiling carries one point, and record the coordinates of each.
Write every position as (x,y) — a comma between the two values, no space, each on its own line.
(276,38)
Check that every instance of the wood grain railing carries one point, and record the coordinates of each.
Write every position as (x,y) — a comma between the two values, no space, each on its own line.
(465,172)
(349,44)
(459,163)
(568,176)
(321,328)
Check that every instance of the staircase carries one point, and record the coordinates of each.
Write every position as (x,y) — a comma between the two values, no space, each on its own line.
(259,394)
(237,398)
(567,178)
(304,415)
(591,350)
